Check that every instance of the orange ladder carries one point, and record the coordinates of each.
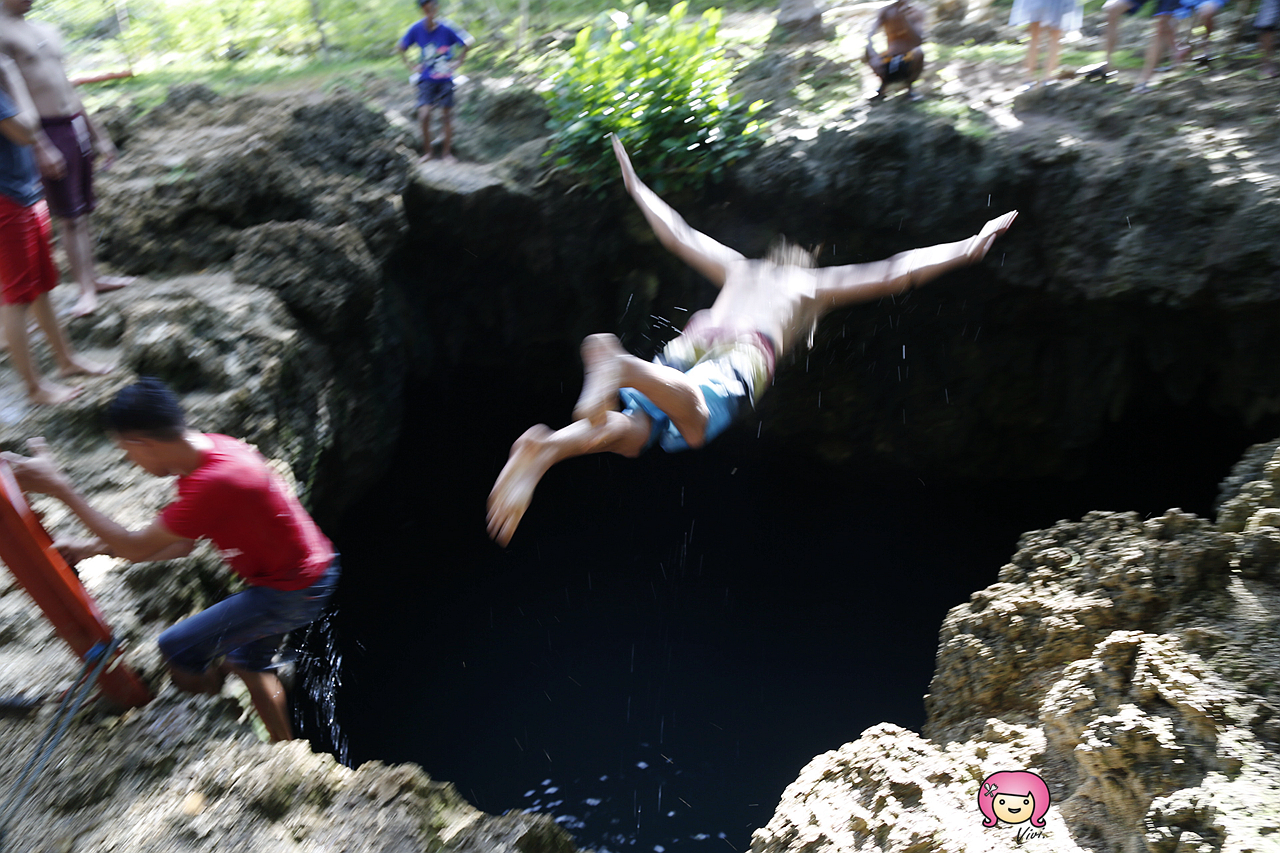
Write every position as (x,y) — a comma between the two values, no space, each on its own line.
(27,550)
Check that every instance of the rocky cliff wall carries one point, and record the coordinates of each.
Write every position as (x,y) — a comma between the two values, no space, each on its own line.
(1138,698)
(1131,664)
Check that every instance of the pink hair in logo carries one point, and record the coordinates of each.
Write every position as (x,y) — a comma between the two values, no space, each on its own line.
(1013,797)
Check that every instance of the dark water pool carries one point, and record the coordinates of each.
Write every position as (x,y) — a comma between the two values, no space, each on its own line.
(669,640)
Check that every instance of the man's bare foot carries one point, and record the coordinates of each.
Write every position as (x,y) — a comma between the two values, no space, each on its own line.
(426,156)
(513,490)
(85,305)
(602,364)
(51,394)
(108,283)
(78,366)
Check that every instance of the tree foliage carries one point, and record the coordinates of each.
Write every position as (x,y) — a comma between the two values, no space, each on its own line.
(233,29)
(662,84)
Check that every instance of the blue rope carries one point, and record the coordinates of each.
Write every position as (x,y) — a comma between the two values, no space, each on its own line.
(97,659)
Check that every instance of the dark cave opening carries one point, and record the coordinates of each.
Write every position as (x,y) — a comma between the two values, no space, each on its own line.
(668,640)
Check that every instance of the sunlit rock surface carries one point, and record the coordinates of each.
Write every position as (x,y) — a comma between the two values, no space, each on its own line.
(191,773)
(1131,664)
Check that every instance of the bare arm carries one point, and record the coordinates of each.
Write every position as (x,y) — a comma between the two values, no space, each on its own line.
(693,247)
(915,23)
(25,128)
(39,473)
(403,53)
(876,23)
(855,283)
(21,128)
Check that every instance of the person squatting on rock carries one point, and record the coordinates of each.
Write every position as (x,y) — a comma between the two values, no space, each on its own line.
(228,494)
(717,368)
(68,177)
(27,271)
(436,40)
(903,59)
(1053,16)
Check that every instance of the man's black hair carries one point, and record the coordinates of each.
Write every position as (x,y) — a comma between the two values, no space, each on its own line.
(147,407)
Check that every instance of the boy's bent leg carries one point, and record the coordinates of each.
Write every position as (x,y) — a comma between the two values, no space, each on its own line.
(539,448)
(608,368)
(269,700)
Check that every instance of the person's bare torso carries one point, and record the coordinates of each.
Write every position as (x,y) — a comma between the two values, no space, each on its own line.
(903,27)
(759,296)
(37,50)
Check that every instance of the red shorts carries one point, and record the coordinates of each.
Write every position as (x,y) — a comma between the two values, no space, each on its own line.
(26,253)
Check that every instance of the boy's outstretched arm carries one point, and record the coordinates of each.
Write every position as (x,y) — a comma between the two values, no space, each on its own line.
(693,247)
(863,282)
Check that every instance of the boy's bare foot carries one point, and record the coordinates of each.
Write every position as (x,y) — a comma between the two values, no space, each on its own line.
(85,305)
(513,490)
(108,283)
(602,363)
(51,394)
(77,366)
(425,157)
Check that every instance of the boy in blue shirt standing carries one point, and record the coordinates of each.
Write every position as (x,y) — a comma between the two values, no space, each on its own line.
(436,40)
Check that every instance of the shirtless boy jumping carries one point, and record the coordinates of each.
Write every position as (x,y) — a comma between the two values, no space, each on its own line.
(723,360)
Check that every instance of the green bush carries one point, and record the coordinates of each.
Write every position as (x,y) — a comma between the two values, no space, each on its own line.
(662,85)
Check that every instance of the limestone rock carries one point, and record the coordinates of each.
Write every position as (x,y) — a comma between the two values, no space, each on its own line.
(1128,663)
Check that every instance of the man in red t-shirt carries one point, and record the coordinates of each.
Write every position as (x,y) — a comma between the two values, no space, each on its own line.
(229,495)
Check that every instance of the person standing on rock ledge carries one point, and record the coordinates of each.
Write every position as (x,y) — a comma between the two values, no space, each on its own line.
(724,358)
(436,40)
(228,494)
(77,139)
(27,271)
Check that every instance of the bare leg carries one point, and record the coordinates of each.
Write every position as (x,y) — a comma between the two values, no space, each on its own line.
(269,700)
(539,448)
(1115,9)
(39,390)
(446,117)
(608,367)
(878,67)
(424,116)
(1161,40)
(1033,48)
(1268,42)
(1051,64)
(79,248)
(69,364)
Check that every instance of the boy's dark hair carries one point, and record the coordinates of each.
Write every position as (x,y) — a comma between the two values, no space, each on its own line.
(147,407)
